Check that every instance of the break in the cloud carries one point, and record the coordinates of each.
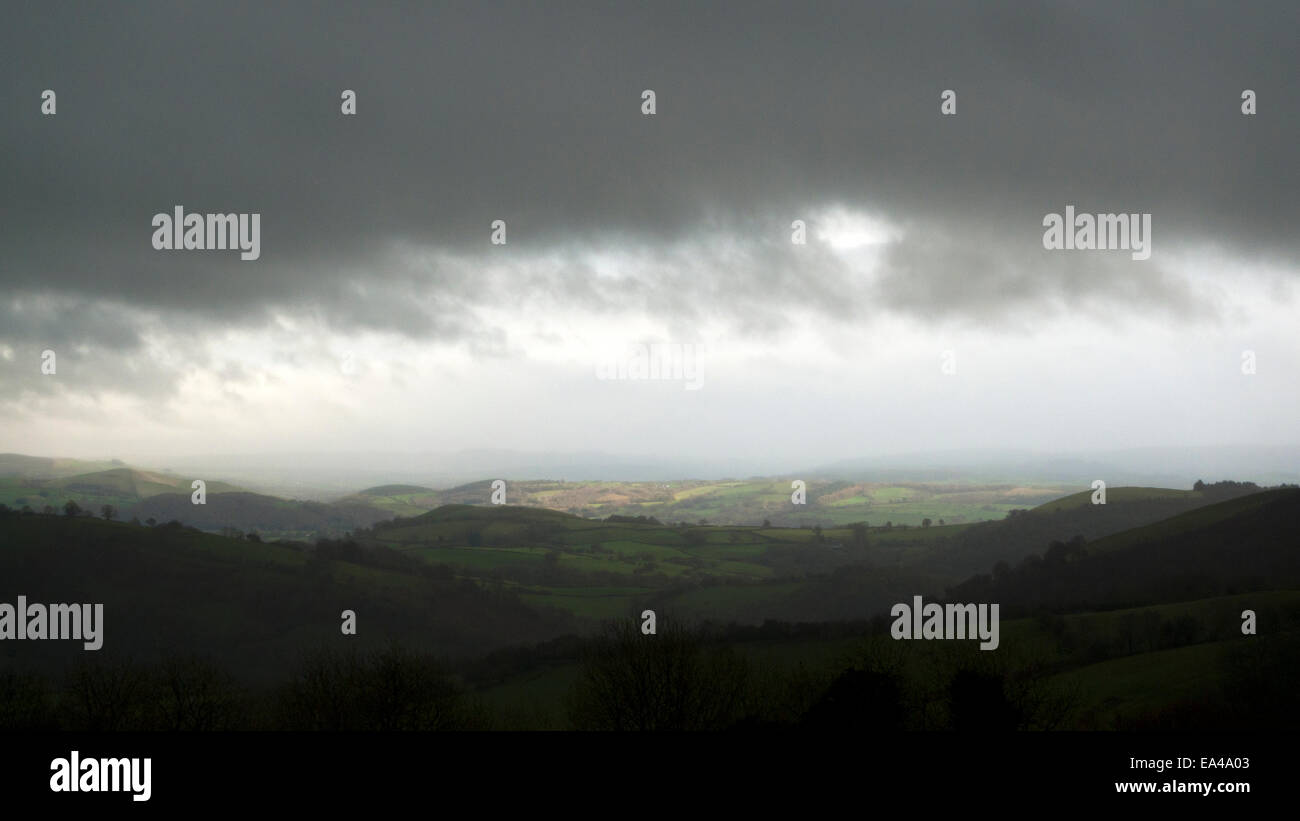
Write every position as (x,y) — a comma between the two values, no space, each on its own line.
(379,308)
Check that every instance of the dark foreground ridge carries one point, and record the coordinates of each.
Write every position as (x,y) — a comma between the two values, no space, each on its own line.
(206,632)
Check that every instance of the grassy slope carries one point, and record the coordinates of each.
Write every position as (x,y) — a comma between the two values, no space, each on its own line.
(1123,686)
(253,606)
(258,604)
(1247,543)
(121,487)
(720,572)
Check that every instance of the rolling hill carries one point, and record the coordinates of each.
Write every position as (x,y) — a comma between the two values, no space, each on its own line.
(510,595)
(16,465)
(268,516)
(1025,532)
(733,501)
(595,568)
(121,487)
(253,607)
(1250,543)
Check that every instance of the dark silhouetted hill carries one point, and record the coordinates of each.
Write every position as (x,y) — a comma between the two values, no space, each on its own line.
(1250,543)
(253,608)
(256,512)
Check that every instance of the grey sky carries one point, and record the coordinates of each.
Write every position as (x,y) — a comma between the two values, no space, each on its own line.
(377,278)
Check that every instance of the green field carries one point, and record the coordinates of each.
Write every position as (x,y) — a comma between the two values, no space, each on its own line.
(742,502)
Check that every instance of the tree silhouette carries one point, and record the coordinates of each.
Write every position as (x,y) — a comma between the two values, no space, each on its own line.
(859,700)
(672,680)
(859,530)
(979,703)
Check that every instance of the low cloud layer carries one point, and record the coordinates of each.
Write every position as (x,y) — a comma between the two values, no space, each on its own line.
(375,227)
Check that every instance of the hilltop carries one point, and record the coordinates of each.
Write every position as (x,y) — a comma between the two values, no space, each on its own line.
(1242,544)
(122,487)
(163,497)
(42,467)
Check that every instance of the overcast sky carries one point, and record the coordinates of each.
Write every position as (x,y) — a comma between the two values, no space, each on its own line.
(380,316)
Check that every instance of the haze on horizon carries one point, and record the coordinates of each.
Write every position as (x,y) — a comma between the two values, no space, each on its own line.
(381,319)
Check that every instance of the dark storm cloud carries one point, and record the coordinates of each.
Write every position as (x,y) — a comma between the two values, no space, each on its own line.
(98,345)
(984,282)
(530,113)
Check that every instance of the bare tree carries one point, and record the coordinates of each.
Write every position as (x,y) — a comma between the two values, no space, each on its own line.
(670,680)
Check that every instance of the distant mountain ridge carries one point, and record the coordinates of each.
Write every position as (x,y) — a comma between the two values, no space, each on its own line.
(326,476)
(165,496)
(121,487)
(44,467)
